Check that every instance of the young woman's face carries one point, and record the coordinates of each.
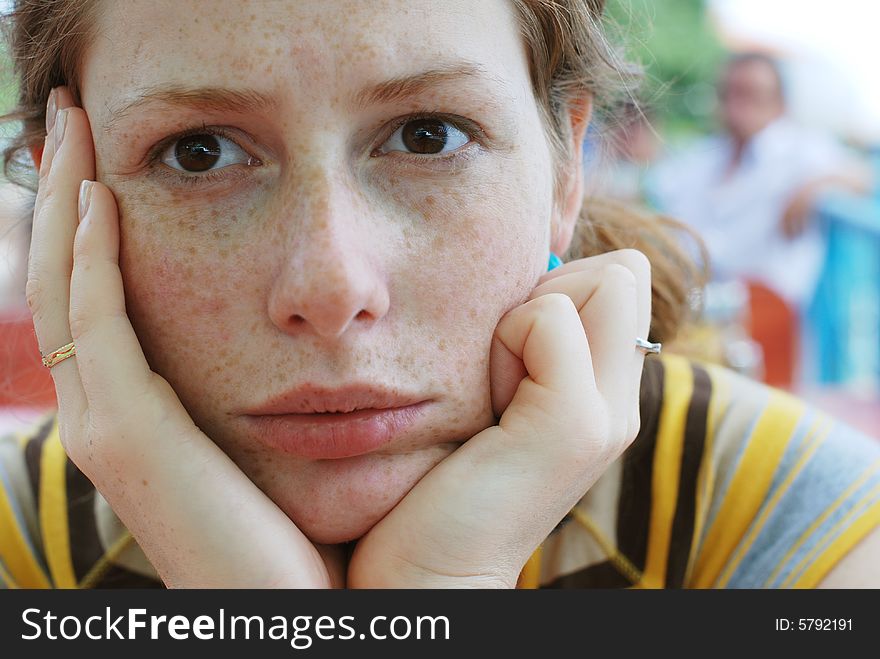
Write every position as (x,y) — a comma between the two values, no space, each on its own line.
(319,195)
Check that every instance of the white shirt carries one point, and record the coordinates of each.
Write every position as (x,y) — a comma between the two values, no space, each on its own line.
(739,213)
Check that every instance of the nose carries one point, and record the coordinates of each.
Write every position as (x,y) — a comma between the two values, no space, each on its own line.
(330,281)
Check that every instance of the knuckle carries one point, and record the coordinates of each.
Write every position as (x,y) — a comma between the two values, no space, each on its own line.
(601,442)
(553,303)
(638,258)
(34,291)
(589,445)
(77,442)
(105,438)
(635,261)
(620,275)
(47,190)
(79,322)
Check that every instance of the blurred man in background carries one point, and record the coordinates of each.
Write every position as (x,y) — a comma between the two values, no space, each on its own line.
(751,192)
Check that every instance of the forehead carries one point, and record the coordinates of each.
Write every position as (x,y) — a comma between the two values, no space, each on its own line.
(303,45)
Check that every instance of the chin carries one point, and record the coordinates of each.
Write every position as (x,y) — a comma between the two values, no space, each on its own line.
(339,501)
(339,530)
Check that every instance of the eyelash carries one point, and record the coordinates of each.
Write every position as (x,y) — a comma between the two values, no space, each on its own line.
(154,157)
(466,126)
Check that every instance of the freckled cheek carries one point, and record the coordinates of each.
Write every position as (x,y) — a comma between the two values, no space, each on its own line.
(155,281)
(481,257)
(179,282)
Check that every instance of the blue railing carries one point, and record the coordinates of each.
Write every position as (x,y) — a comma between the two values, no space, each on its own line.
(844,318)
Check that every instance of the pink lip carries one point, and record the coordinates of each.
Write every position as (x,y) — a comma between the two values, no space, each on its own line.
(321,424)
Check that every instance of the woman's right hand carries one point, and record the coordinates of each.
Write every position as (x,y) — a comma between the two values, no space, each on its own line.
(200,521)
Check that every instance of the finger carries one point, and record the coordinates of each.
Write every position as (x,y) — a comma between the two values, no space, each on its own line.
(606,304)
(613,298)
(59,98)
(68,158)
(630,258)
(110,358)
(547,337)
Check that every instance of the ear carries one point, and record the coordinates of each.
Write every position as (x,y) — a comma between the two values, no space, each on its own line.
(579,111)
(37,155)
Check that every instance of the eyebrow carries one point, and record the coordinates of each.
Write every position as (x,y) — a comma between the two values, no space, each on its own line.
(219,99)
(205,99)
(400,88)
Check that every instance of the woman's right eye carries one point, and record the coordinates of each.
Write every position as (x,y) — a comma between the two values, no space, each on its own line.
(204,152)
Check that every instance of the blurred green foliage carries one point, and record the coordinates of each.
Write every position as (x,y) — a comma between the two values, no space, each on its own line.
(8,99)
(8,86)
(675,43)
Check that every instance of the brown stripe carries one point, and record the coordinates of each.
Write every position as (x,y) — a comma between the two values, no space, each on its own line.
(33,452)
(601,575)
(85,543)
(634,507)
(692,456)
(119,577)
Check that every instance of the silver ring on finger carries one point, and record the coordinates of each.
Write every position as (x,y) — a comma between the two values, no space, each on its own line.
(648,348)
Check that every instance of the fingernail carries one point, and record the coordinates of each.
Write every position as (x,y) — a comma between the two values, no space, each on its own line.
(85,196)
(60,125)
(51,106)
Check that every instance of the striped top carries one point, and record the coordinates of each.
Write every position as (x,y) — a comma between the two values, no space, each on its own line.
(729,484)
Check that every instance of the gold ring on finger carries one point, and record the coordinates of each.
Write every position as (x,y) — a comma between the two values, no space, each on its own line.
(59,355)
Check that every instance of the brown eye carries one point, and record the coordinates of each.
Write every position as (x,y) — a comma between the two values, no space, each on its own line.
(196,153)
(203,151)
(426,136)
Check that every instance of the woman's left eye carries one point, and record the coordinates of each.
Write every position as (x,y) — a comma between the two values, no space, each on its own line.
(426,136)
(203,152)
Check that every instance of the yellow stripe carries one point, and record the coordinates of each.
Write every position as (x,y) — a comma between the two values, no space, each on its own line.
(870,471)
(868,522)
(620,562)
(718,405)
(7,579)
(677,390)
(811,444)
(15,551)
(530,577)
(53,511)
(749,485)
(796,575)
(106,561)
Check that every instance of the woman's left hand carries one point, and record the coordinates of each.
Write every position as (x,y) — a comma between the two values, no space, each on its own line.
(565,375)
